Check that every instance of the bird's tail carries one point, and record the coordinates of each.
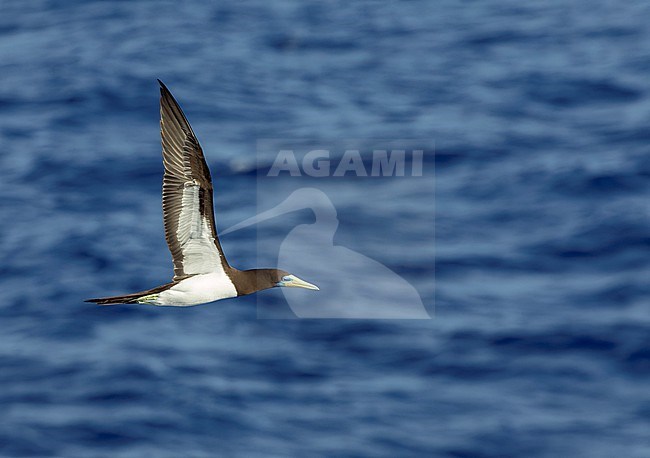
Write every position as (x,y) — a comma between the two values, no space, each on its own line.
(127,299)
(143,297)
(136,298)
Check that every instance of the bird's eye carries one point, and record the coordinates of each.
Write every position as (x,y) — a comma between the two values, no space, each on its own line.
(286,278)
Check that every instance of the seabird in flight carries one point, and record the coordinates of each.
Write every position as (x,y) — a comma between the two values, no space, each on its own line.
(201,272)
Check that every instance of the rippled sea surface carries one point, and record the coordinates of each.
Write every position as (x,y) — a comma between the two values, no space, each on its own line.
(540,343)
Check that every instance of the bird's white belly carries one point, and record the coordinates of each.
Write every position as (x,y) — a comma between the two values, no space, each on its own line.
(198,289)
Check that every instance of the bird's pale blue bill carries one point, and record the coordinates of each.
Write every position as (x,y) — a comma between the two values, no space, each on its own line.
(291,281)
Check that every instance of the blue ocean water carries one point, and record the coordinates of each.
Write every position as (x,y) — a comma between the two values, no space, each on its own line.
(539,113)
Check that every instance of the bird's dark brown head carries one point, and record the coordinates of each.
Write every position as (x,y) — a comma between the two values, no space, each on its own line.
(250,281)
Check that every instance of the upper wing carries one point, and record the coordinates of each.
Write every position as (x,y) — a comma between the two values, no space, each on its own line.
(190,228)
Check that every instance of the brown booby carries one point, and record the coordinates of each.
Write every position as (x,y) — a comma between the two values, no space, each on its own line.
(201,272)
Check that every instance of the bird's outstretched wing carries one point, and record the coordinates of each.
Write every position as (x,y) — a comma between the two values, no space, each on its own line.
(188,214)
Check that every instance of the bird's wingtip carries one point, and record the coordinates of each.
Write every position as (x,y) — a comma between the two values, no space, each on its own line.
(163,88)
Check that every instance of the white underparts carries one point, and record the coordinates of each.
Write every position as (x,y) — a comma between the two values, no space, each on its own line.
(198,289)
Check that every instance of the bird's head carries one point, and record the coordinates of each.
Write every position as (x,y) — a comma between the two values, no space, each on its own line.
(250,281)
(287,280)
